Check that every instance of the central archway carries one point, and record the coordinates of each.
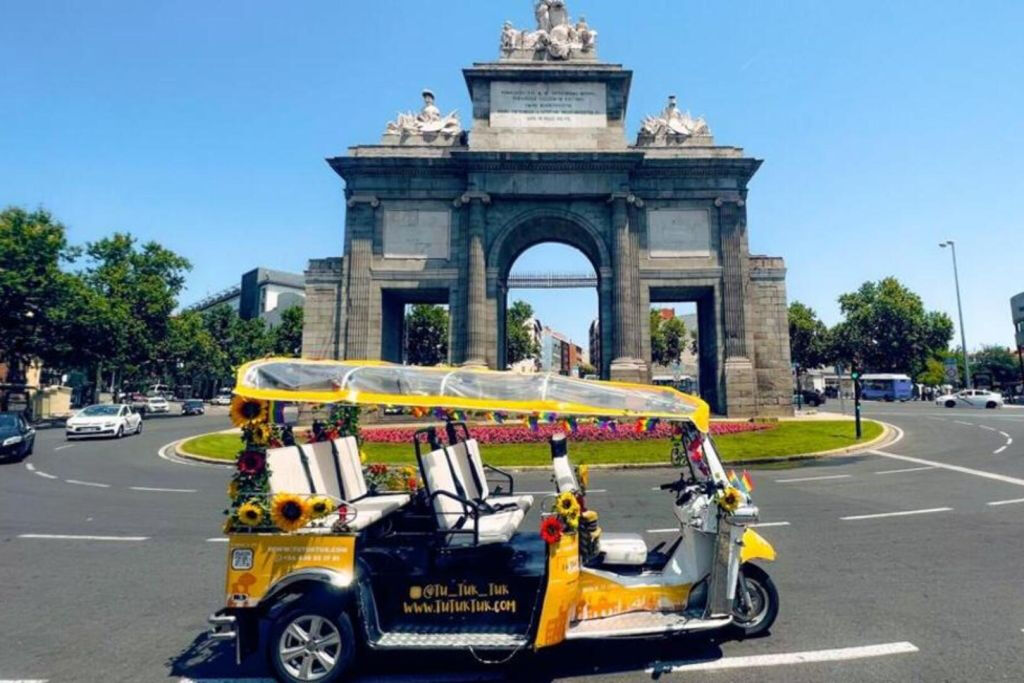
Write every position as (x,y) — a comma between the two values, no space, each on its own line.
(549,225)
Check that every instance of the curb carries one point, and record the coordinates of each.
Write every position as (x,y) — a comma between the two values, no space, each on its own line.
(880,440)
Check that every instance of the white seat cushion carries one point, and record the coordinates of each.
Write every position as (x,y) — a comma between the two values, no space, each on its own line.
(523,502)
(622,548)
(497,527)
(469,467)
(287,475)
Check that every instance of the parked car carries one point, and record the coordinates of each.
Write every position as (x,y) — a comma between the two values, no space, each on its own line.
(17,437)
(221,399)
(809,397)
(192,406)
(138,402)
(104,419)
(157,404)
(971,398)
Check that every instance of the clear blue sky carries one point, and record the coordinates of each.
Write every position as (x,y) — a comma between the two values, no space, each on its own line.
(885,126)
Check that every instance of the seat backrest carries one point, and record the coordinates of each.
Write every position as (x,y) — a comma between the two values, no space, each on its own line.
(352,479)
(565,479)
(437,475)
(287,475)
(323,469)
(477,463)
(473,484)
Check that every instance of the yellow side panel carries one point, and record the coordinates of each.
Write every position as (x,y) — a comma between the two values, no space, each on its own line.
(755,547)
(603,597)
(562,591)
(275,556)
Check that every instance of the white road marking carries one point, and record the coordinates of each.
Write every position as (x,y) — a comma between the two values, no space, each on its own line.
(163,453)
(991,429)
(1006,502)
(160,490)
(906,469)
(761,525)
(836,655)
(217,539)
(75,537)
(45,475)
(555,493)
(961,422)
(67,445)
(672,530)
(87,483)
(955,468)
(31,468)
(25,680)
(904,513)
(999,450)
(1005,435)
(831,476)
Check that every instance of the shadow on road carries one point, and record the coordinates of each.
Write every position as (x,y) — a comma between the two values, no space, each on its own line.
(204,658)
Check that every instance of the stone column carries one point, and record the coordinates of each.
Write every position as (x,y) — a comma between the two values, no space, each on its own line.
(740,385)
(625,366)
(476,279)
(360,222)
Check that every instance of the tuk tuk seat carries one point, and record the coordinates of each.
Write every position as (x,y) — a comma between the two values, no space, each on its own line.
(462,517)
(624,549)
(469,468)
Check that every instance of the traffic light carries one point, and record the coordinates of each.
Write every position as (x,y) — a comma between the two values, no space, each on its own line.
(855,375)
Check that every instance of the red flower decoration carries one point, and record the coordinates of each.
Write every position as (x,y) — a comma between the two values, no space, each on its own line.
(252,462)
(551,530)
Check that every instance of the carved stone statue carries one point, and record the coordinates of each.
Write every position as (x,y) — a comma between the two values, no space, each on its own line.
(555,38)
(427,125)
(672,127)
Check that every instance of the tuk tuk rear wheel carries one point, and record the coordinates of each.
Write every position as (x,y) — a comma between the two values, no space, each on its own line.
(754,616)
(308,644)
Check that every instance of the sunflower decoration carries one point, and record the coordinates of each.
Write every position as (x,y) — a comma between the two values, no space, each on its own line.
(259,433)
(583,476)
(248,411)
(289,512)
(233,489)
(730,498)
(320,506)
(567,507)
(250,514)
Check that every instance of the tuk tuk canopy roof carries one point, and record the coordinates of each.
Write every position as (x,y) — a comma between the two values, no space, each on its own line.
(379,383)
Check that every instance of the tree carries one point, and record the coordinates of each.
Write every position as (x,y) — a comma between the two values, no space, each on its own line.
(140,287)
(809,342)
(239,341)
(886,329)
(668,336)
(520,343)
(998,362)
(288,334)
(190,352)
(33,289)
(426,329)
(934,373)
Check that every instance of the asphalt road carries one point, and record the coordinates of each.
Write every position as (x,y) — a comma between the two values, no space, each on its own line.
(931,593)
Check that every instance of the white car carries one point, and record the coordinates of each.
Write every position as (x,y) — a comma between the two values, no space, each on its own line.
(106,419)
(971,398)
(221,400)
(157,404)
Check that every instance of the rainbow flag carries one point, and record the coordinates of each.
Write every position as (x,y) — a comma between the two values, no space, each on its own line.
(276,409)
(748,483)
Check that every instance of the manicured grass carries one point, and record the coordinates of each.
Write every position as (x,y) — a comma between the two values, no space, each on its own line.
(786,438)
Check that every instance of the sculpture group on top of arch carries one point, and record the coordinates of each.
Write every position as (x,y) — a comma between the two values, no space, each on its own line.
(555,38)
(428,124)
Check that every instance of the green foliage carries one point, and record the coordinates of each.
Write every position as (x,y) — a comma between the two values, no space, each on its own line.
(519,341)
(238,340)
(191,352)
(426,329)
(934,373)
(886,329)
(998,362)
(668,337)
(809,339)
(288,334)
(34,292)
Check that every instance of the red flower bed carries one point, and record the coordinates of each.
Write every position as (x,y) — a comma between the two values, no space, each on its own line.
(520,433)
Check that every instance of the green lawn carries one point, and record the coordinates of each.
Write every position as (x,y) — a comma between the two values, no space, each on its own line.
(787,438)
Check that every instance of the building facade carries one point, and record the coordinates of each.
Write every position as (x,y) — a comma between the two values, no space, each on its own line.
(261,293)
(436,215)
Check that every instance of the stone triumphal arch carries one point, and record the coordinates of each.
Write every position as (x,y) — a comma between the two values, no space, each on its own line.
(436,214)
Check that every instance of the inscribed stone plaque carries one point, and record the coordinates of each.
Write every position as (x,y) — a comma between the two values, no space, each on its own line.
(678,232)
(518,104)
(416,234)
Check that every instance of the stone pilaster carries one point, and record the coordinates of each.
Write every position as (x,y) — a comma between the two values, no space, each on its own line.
(740,381)
(323,309)
(359,226)
(476,279)
(626,365)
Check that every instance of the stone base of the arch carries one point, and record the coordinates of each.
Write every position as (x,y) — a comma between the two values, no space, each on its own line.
(631,370)
(740,387)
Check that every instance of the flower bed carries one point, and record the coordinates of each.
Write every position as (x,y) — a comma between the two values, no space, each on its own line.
(521,433)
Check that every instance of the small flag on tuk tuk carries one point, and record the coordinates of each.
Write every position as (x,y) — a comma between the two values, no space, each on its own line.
(277,412)
(748,483)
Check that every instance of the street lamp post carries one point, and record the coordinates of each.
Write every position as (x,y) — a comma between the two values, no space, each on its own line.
(960,312)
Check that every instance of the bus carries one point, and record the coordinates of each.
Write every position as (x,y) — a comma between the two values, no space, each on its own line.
(886,387)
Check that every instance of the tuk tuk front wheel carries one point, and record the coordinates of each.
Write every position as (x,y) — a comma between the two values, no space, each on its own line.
(308,644)
(756,604)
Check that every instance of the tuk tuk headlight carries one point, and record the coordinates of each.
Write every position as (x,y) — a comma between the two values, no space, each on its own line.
(241,558)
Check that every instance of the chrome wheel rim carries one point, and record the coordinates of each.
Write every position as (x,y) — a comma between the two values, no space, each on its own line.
(310,647)
(758,605)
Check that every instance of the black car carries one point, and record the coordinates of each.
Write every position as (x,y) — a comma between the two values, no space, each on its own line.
(16,437)
(192,406)
(809,397)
